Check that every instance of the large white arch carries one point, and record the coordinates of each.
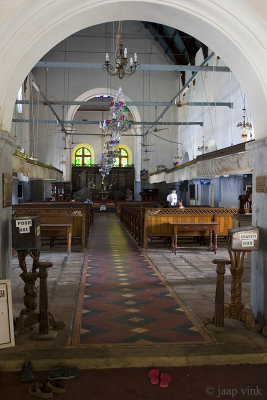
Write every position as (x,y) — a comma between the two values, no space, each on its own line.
(89,94)
(233,29)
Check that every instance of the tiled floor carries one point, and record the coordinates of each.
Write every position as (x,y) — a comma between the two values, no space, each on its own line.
(192,276)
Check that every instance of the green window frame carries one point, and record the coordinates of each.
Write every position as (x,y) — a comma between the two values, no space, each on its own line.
(121,159)
(82,157)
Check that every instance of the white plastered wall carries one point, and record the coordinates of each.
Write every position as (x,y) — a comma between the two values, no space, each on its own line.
(30,29)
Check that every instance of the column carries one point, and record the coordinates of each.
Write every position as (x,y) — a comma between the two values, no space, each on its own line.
(7,147)
(259,219)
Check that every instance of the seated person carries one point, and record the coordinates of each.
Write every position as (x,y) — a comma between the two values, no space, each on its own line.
(180,204)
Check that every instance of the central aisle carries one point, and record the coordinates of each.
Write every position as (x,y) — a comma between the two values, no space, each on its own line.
(123,298)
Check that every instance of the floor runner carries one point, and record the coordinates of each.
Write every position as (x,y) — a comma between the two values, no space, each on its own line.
(123,298)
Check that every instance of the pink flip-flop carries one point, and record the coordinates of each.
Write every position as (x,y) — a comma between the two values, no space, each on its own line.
(154,376)
(164,380)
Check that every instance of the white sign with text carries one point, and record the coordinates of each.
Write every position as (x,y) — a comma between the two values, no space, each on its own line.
(6,315)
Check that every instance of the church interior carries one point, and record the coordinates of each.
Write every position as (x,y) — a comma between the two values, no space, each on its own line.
(134,181)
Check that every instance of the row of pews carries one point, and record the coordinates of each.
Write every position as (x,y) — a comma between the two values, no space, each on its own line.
(146,222)
(59,219)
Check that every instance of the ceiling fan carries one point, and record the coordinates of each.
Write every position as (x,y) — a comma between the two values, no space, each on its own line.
(180,102)
(146,159)
(156,129)
(146,145)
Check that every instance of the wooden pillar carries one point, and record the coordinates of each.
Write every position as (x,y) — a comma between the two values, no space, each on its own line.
(218,318)
(43,303)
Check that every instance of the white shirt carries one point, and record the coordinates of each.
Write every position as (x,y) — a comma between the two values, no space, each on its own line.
(172,198)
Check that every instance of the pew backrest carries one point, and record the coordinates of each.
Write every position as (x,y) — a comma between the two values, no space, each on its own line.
(156,220)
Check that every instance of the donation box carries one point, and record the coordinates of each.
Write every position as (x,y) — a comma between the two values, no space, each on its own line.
(244,239)
(26,233)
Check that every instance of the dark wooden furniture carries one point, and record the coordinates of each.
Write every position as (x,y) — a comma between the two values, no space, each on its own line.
(61,191)
(79,215)
(195,228)
(52,224)
(118,181)
(150,195)
(245,199)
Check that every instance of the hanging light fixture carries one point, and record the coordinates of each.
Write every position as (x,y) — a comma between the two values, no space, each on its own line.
(202,148)
(177,159)
(245,126)
(121,68)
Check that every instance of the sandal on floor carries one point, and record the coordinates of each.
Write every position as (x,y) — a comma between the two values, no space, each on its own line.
(164,380)
(154,376)
(41,390)
(63,373)
(57,386)
(27,372)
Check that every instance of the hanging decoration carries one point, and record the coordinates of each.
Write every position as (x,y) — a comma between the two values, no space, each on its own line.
(177,159)
(245,126)
(118,122)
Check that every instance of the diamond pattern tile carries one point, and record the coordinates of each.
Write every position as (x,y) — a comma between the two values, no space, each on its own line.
(123,298)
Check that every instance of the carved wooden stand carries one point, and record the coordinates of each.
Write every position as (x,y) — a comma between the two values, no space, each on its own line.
(28,316)
(236,309)
(218,318)
(46,318)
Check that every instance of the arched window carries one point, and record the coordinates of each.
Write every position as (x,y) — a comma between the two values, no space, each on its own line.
(121,159)
(82,157)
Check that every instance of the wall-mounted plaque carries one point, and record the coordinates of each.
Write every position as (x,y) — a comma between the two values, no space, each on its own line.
(7,190)
(261,184)
(6,315)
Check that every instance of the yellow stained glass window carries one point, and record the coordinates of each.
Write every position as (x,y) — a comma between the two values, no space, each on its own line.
(121,159)
(117,162)
(82,157)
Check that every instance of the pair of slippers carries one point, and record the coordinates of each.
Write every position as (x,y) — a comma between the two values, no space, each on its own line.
(47,389)
(54,383)
(156,378)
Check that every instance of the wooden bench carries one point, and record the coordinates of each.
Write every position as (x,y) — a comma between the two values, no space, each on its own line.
(147,223)
(54,225)
(131,204)
(157,221)
(79,215)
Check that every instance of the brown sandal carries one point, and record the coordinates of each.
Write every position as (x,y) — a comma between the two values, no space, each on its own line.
(41,390)
(57,386)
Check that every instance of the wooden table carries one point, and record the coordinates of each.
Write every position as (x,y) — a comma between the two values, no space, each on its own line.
(52,228)
(179,227)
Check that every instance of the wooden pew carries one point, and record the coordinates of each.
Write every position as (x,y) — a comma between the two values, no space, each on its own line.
(54,224)
(156,220)
(127,204)
(79,215)
(131,214)
(148,222)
